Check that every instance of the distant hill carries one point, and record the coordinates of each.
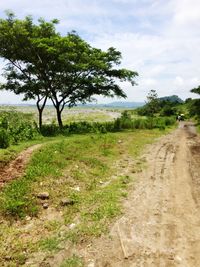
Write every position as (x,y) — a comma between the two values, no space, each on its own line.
(172,98)
(126,104)
(117,105)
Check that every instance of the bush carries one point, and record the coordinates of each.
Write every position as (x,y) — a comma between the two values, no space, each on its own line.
(4,138)
(16,127)
(49,130)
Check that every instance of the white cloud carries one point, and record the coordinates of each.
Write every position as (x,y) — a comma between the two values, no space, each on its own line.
(149,82)
(195,81)
(187,12)
(179,81)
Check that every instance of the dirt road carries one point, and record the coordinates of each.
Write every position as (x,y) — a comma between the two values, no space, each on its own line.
(161,224)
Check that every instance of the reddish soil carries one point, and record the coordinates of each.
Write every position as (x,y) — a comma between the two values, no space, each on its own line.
(16,167)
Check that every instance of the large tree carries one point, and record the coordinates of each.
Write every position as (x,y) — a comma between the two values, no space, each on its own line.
(43,64)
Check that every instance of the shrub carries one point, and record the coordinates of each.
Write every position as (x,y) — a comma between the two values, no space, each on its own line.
(49,130)
(4,138)
(16,127)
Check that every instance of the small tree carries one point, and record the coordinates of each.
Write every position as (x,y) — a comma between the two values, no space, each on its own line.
(153,104)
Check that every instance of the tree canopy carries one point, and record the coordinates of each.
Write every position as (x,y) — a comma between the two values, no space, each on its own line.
(194,104)
(42,64)
(196,90)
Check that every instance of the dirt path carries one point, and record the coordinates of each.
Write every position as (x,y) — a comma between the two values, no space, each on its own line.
(161,224)
(16,167)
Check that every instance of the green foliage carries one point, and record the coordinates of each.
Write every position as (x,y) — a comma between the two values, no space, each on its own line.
(16,127)
(164,106)
(50,130)
(194,105)
(196,90)
(168,110)
(152,105)
(4,138)
(194,108)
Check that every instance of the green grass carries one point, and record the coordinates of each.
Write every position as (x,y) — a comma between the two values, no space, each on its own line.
(74,261)
(81,168)
(49,244)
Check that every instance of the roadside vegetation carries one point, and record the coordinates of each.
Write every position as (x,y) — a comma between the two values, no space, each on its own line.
(193,106)
(16,127)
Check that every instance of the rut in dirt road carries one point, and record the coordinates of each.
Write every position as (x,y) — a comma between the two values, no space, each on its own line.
(161,224)
(16,167)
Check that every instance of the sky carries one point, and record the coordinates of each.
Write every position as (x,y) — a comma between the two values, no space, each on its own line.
(160,39)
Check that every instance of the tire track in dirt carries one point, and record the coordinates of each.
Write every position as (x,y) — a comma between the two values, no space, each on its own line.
(161,223)
(16,167)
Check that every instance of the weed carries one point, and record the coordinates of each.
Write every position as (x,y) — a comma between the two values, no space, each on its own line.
(74,261)
(49,244)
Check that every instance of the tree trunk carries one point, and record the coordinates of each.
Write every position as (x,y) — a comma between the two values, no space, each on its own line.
(40,118)
(40,109)
(59,118)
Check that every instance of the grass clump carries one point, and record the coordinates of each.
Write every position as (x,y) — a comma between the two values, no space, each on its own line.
(50,244)
(15,201)
(74,261)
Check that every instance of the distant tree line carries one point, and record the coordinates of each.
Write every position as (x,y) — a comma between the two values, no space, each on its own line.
(42,64)
(164,106)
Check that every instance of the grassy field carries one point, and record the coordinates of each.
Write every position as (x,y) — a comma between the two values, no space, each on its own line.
(86,179)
